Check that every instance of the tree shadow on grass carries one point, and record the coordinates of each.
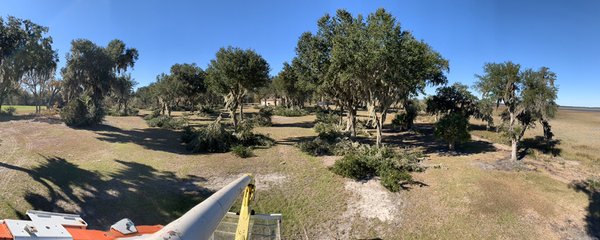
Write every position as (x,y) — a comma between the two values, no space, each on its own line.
(592,190)
(423,136)
(157,139)
(291,141)
(136,191)
(541,144)
(295,124)
(31,117)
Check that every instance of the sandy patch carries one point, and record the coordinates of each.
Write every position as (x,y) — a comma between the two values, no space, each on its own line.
(372,201)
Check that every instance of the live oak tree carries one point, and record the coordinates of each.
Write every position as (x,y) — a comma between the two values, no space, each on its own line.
(168,89)
(527,95)
(90,74)
(453,129)
(288,84)
(395,65)
(192,79)
(455,104)
(357,60)
(235,72)
(452,99)
(39,65)
(16,35)
(122,92)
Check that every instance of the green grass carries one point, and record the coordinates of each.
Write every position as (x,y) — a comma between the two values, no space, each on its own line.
(127,169)
(23,109)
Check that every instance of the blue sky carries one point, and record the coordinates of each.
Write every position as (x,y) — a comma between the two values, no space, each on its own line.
(562,35)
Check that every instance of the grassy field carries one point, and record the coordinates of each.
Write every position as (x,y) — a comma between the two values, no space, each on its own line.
(22,109)
(577,135)
(126,169)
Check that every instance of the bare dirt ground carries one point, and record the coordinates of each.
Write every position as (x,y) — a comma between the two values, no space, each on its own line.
(125,169)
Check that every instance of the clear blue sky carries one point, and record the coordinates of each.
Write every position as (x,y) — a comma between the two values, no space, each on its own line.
(562,35)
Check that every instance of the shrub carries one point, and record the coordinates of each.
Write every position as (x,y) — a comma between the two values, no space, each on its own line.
(315,147)
(264,117)
(9,111)
(367,161)
(188,134)
(211,138)
(352,166)
(154,114)
(453,129)
(242,151)
(392,179)
(243,132)
(167,122)
(289,112)
(79,114)
(344,146)
(329,132)
(216,138)
(327,117)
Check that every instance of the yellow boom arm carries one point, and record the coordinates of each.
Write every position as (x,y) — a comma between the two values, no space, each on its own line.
(243,226)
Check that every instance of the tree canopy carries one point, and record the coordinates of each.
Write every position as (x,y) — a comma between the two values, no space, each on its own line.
(235,72)
(93,71)
(24,48)
(354,61)
(527,95)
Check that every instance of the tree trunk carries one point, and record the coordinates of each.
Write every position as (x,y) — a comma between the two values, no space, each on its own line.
(351,126)
(379,125)
(242,110)
(234,118)
(451,146)
(513,152)
(341,115)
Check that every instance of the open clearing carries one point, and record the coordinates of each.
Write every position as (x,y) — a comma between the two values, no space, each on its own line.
(126,169)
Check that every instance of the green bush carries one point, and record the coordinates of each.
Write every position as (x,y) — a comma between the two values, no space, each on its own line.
(154,114)
(329,132)
(167,122)
(242,151)
(453,129)
(315,147)
(344,146)
(366,161)
(289,112)
(211,138)
(188,134)
(329,117)
(392,179)
(216,138)
(8,111)
(326,143)
(352,166)
(264,117)
(243,132)
(79,114)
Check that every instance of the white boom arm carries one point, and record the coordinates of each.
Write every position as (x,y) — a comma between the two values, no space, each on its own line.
(200,222)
